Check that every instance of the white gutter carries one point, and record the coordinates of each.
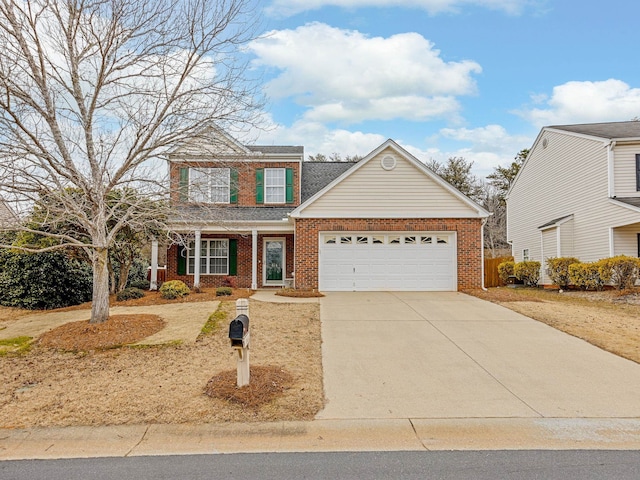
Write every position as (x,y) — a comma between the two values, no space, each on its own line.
(484,221)
(610,168)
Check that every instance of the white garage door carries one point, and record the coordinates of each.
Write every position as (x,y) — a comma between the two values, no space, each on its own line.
(415,261)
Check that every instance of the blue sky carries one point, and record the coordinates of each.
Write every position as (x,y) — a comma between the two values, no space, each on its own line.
(471,78)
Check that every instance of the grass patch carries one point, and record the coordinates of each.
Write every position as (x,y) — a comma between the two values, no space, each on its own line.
(16,346)
(216,319)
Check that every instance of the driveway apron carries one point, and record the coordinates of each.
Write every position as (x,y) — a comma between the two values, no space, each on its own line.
(450,355)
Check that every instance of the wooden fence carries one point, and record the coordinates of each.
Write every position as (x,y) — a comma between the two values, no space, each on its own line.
(491,278)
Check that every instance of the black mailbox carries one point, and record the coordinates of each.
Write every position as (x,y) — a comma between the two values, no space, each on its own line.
(238,330)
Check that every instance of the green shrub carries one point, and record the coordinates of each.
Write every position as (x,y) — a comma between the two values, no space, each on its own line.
(129,293)
(505,270)
(586,276)
(623,271)
(174,289)
(44,280)
(558,270)
(223,291)
(528,272)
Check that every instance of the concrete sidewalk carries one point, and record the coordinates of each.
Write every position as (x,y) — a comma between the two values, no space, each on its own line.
(321,436)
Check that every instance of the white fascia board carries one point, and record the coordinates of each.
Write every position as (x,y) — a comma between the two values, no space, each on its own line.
(625,205)
(298,212)
(557,224)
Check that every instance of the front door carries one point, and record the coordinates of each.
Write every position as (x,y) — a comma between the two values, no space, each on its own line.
(274,261)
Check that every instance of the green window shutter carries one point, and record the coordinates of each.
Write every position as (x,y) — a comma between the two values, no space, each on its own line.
(233,257)
(233,187)
(260,185)
(289,178)
(183,186)
(182,260)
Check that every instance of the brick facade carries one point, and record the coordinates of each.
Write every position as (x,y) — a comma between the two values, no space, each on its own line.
(246,179)
(469,243)
(243,278)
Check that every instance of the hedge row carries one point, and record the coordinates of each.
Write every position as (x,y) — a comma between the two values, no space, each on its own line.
(622,272)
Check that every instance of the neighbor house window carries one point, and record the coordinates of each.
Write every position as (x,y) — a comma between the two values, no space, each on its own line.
(209,185)
(638,172)
(214,257)
(525,255)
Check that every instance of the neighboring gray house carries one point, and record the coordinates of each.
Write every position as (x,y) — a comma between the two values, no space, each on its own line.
(577,194)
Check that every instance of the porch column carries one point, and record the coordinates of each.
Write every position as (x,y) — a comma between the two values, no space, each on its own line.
(196,267)
(254,259)
(153,281)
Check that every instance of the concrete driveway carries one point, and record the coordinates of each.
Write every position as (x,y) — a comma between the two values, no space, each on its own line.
(449,355)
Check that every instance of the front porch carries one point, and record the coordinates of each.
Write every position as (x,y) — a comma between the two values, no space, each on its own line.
(244,259)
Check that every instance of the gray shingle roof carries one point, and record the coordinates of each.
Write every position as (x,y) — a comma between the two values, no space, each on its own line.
(554,221)
(226,214)
(605,130)
(275,149)
(317,175)
(633,201)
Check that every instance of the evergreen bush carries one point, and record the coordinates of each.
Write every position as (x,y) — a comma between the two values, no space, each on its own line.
(528,272)
(558,270)
(505,270)
(39,281)
(174,289)
(129,293)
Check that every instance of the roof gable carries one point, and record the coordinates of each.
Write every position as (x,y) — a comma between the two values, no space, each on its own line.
(389,183)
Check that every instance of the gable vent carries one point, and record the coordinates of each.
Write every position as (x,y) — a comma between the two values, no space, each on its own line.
(388,162)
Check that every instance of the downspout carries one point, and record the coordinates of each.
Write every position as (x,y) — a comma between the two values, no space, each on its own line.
(484,221)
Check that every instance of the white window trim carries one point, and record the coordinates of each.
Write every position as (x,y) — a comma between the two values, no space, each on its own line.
(191,254)
(525,255)
(283,186)
(210,187)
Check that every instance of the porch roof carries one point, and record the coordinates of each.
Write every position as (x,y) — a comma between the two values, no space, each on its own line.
(226,214)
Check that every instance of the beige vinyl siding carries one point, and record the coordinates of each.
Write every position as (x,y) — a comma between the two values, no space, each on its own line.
(403,192)
(626,240)
(570,176)
(566,238)
(549,250)
(624,168)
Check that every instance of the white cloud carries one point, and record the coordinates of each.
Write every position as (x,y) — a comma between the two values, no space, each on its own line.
(283,8)
(585,102)
(490,146)
(343,75)
(317,138)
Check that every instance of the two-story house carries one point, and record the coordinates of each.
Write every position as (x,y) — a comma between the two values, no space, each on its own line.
(265,217)
(577,194)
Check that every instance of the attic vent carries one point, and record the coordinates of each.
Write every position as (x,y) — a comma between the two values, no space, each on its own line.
(388,162)
(545,142)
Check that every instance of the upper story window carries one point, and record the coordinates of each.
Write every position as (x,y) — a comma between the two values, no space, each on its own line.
(274,185)
(209,185)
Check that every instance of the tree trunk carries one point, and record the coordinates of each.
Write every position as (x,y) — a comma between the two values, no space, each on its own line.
(125,267)
(100,304)
(112,278)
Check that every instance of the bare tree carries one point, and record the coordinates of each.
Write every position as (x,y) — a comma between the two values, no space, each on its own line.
(92,95)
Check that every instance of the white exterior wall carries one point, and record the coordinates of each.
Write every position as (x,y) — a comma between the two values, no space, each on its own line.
(404,192)
(569,176)
(624,168)
(626,240)
(566,239)
(549,250)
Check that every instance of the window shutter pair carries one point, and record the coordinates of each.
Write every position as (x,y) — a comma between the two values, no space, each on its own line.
(289,193)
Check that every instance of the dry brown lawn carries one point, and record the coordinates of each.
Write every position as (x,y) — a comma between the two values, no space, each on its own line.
(166,384)
(610,319)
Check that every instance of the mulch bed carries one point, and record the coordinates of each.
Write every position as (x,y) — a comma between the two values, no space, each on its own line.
(265,384)
(117,331)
